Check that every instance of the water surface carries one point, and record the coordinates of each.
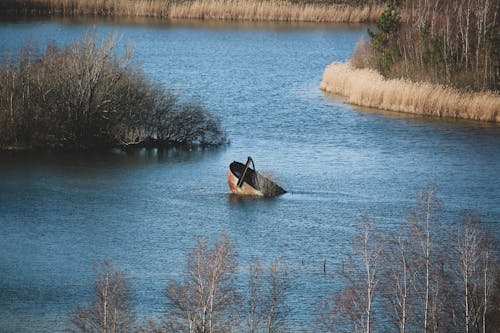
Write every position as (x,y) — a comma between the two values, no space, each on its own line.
(59,213)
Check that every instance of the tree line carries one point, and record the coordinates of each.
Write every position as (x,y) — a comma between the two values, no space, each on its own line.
(205,300)
(425,276)
(448,42)
(85,96)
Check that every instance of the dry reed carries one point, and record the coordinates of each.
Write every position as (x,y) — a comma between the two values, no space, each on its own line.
(251,10)
(366,87)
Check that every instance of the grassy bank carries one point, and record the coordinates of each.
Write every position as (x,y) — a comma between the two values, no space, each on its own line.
(254,10)
(366,87)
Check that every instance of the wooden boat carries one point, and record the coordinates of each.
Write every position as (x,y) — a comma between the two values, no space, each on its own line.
(244,180)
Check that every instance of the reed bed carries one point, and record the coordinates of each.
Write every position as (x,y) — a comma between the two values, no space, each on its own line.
(250,10)
(272,11)
(366,87)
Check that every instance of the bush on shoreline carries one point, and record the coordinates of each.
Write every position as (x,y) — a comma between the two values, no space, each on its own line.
(83,96)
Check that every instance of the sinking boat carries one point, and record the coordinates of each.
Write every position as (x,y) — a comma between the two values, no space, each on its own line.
(244,180)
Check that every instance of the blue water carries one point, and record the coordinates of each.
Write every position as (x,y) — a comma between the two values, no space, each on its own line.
(60,213)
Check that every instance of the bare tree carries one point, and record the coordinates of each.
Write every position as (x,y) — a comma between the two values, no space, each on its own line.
(475,256)
(429,259)
(489,270)
(277,279)
(371,252)
(203,303)
(398,281)
(432,280)
(468,248)
(255,297)
(267,308)
(444,41)
(337,312)
(492,320)
(111,310)
(351,309)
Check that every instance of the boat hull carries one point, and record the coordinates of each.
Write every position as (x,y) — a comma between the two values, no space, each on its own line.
(244,180)
(244,189)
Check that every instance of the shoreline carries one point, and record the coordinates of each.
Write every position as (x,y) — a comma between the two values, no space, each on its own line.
(229,10)
(366,87)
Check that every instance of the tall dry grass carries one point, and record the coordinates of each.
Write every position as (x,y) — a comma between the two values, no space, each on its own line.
(255,10)
(274,10)
(366,87)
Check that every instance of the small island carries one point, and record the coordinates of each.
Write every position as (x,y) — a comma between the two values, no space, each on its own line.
(83,96)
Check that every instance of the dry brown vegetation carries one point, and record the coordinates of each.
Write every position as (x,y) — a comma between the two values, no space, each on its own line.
(443,41)
(450,42)
(84,96)
(419,277)
(436,58)
(366,87)
(255,10)
(427,275)
(111,310)
(207,300)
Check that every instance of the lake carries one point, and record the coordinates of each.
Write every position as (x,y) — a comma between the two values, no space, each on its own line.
(60,213)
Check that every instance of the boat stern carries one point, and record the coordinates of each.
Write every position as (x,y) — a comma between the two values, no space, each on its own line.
(244,189)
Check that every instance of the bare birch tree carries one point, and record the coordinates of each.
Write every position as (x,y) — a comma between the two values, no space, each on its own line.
(351,309)
(398,281)
(111,310)
(205,301)
(475,257)
(267,308)
(255,297)
(427,268)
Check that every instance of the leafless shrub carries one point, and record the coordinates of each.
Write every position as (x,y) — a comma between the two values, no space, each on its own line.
(267,308)
(83,96)
(205,301)
(493,310)
(397,281)
(477,271)
(111,310)
(351,309)
(362,56)
(430,279)
(429,257)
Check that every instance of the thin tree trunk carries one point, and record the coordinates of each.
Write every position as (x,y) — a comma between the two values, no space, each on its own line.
(466,283)
(467,30)
(404,291)
(369,285)
(105,306)
(486,289)
(427,263)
